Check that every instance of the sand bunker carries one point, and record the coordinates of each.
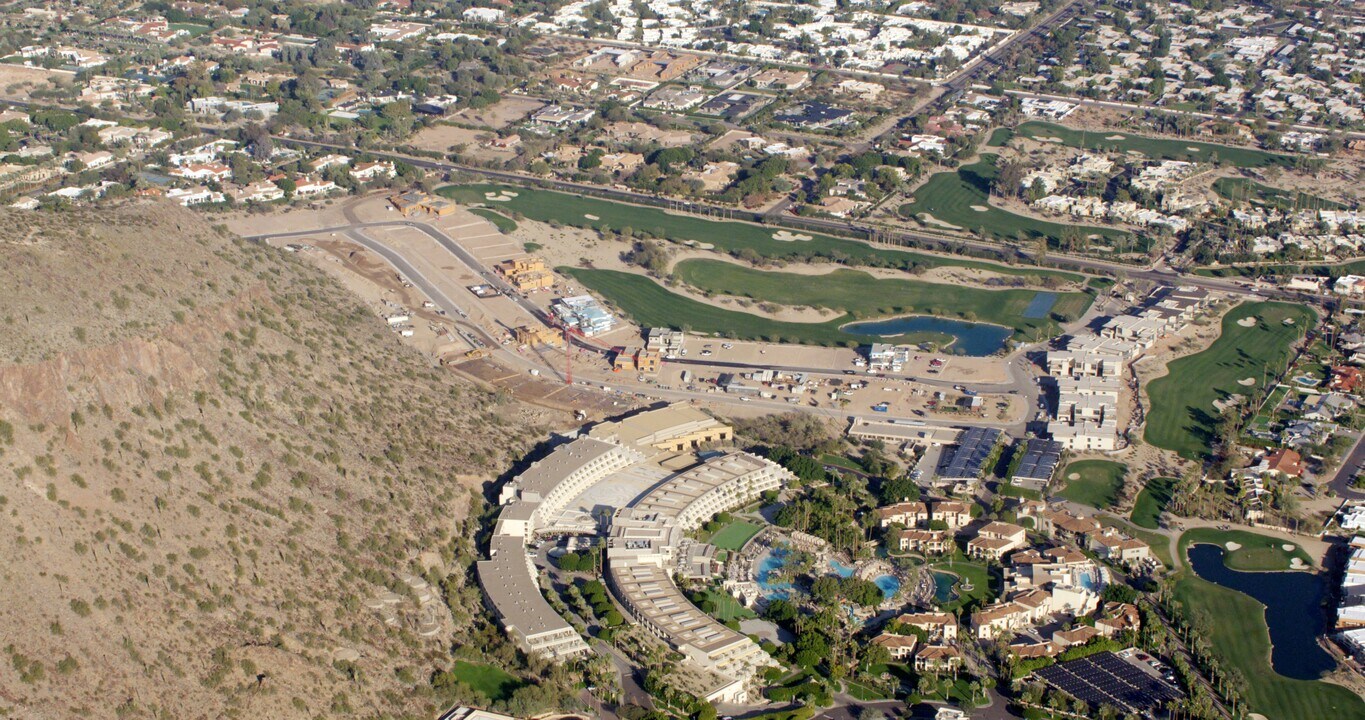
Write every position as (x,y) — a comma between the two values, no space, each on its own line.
(1289,321)
(591,217)
(1248,321)
(928,219)
(1233,546)
(980,208)
(789,236)
(699,245)
(1191,148)
(1116,137)
(504,196)
(1296,564)
(1289,547)
(1232,401)
(1074,476)
(1049,138)
(1247,382)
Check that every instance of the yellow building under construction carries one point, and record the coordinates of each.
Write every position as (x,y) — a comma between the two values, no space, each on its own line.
(416,202)
(533,336)
(525,274)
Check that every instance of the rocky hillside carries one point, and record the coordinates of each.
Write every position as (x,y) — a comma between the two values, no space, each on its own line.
(224,484)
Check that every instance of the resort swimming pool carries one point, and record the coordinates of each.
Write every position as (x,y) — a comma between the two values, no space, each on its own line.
(841,569)
(1088,579)
(889,585)
(772,562)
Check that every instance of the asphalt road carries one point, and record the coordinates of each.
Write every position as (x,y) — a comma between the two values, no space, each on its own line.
(1350,468)
(1021,384)
(911,239)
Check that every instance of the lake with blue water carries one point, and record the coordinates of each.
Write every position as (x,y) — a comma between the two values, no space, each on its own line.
(1294,610)
(969,338)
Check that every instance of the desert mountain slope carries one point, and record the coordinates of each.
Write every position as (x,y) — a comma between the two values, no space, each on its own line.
(211,459)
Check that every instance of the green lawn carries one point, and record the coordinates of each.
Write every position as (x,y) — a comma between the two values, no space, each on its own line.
(1098,484)
(984,586)
(492,682)
(999,137)
(1257,552)
(734,535)
(1273,197)
(505,225)
(1152,501)
(840,461)
(863,296)
(1183,417)
(725,235)
(951,197)
(863,692)
(194,29)
(1155,148)
(728,608)
(1266,415)
(1241,638)
(1006,489)
(650,304)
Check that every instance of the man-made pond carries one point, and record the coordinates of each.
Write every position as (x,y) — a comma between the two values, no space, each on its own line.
(976,339)
(944,584)
(1039,306)
(889,585)
(1294,610)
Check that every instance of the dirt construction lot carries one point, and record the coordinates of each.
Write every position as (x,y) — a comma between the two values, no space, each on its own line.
(444,139)
(17,81)
(502,113)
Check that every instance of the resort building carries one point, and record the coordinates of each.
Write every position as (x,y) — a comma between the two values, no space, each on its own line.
(676,428)
(678,490)
(909,514)
(899,646)
(928,542)
(938,626)
(994,540)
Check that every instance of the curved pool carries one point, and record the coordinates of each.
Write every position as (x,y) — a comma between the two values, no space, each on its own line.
(945,585)
(772,562)
(888,584)
(969,338)
(841,569)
